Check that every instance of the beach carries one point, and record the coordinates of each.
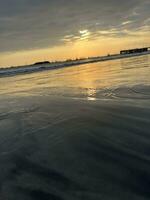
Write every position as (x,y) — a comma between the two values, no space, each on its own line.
(81,132)
(46,65)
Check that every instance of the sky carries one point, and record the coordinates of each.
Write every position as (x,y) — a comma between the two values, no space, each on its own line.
(38,30)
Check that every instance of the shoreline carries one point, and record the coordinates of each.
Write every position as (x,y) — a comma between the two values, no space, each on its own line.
(12,71)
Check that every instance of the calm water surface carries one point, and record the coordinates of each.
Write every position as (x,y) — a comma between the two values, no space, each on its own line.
(76,133)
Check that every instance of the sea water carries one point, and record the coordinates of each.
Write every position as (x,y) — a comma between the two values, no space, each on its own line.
(77,133)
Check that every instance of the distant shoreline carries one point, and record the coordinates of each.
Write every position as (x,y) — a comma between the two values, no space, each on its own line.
(12,71)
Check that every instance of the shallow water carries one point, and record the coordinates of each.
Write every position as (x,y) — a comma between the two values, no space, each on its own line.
(77,133)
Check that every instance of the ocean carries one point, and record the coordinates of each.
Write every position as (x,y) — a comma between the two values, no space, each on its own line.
(81,132)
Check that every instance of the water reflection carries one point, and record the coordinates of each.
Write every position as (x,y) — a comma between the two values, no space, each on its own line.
(79,81)
(91,94)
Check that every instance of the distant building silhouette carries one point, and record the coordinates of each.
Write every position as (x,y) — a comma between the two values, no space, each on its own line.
(138,50)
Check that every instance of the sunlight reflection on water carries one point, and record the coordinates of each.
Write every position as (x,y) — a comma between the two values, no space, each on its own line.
(83,81)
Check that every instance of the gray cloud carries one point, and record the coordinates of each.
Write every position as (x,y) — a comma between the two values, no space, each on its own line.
(29,24)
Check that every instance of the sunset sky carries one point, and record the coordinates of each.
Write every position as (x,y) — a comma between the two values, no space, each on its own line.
(37,30)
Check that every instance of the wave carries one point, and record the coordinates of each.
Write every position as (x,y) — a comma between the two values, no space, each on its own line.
(41,67)
(136,92)
(49,66)
(133,92)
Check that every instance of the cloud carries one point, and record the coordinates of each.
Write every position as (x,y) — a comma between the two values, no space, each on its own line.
(34,24)
(126,22)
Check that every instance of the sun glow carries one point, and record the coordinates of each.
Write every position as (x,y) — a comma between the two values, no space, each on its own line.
(84,34)
(83,43)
